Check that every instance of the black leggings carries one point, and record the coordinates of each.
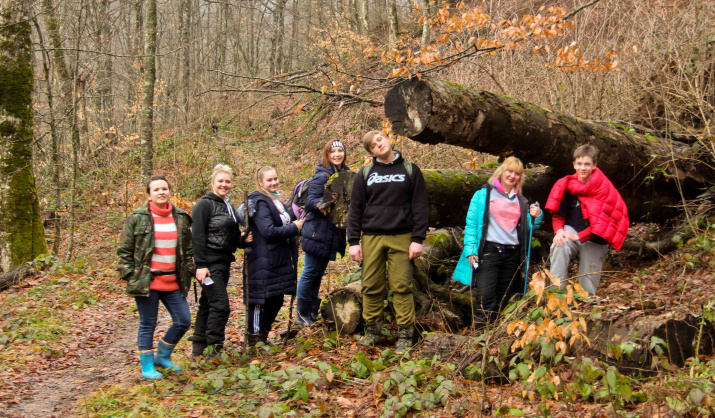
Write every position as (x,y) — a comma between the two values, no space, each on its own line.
(261,317)
(214,306)
(497,275)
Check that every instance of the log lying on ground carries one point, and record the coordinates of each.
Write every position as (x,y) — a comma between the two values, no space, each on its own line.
(438,253)
(436,111)
(680,333)
(448,191)
(15,276)
(672,335)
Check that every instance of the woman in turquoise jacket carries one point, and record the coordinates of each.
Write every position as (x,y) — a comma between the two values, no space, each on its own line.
(496,240)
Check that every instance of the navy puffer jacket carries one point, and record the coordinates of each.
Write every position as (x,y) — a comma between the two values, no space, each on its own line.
(319,236)
(273,262)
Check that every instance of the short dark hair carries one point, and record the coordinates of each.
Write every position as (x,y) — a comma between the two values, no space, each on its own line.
(586,150)
(156,178)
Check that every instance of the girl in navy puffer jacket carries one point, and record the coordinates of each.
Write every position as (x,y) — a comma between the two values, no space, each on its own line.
(321,240)
(273,262)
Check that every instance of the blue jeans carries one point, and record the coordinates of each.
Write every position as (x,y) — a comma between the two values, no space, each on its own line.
(148,308)
(313,270)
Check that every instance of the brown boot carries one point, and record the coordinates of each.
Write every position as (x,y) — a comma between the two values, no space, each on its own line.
(405,334)
(373,334)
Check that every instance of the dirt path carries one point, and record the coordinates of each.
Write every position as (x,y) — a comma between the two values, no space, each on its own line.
(104,354)
(101,358)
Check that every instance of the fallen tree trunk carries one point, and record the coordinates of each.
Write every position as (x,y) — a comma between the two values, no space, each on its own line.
(436,111)
(634,337)
(449,193)
(15,276)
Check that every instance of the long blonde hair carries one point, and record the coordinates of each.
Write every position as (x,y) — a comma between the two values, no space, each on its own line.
(259,176)
(511,163)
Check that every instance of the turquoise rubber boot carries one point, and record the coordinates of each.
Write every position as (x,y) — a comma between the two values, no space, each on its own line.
(163,356)
(147,361)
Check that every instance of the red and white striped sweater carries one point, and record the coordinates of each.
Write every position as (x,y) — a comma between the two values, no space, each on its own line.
(164,255)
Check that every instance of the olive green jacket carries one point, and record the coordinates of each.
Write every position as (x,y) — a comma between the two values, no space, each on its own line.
(136,245)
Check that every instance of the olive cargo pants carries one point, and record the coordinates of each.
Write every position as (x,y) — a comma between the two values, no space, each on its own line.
(386,261)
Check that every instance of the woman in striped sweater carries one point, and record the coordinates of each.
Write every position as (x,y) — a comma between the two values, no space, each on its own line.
(155,258)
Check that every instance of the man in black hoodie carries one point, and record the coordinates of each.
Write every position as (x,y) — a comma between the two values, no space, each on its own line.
(388,206)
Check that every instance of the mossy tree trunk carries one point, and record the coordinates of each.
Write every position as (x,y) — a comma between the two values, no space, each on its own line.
(643,167)
(449,193)
(22,236)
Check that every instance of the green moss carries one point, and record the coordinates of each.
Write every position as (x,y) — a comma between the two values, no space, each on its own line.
(20,222)
(437,239)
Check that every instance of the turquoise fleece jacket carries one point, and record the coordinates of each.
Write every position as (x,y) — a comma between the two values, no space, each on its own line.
(475,229)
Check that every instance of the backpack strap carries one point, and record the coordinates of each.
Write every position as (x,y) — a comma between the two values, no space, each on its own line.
(408,167)
(366,170)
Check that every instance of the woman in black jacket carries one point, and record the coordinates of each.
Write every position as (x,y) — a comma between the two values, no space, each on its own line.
(272,264)
(216,237)
(321,240)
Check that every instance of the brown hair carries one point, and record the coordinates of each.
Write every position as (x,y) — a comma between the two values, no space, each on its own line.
(325,159)
(587,150)
(367,139)
(511,163)
(156,178)
(259,176)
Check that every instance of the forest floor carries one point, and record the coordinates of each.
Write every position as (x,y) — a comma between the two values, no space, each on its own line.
(68,335)
(69,339)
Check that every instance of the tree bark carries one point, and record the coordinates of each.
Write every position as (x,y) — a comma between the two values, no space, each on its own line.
(185,33)
(55,166)
(147,115)
(424,40)
(22,236)
(643,168)
(362,11)
(393,22)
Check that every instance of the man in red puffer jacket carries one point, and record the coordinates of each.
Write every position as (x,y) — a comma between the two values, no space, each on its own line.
(589,214)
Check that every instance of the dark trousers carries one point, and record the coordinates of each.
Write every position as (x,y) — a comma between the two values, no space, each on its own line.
(497,275)
(214,307)
(261,317)
(148,308)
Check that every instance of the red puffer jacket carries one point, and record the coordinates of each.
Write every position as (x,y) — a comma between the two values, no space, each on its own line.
(601,204)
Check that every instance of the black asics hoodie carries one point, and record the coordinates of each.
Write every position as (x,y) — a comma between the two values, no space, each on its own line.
(388,202)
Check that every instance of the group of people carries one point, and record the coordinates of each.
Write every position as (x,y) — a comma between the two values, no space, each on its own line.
(161,251)
(162,248)
(589,214)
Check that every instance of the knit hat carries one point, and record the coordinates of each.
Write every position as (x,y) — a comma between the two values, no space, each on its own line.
(337,143)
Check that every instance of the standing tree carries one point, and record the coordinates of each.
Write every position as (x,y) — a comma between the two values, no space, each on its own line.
(22,236)
(149,68)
